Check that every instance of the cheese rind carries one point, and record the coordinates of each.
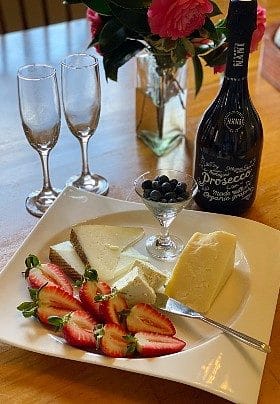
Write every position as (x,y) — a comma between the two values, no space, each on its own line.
(202,269)
(135,288)
(65,256)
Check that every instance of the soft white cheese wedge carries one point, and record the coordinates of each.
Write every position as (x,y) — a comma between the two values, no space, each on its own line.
(100,246)
(202,269)
(153,276)
(64,255)
(135,288)
(126,260)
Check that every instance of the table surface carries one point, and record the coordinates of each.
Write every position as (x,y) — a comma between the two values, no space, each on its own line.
(117,154)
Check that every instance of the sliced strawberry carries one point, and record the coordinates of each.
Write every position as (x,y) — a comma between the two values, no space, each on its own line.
(77,328)
(112,340)
(90,288)
(144,317)
(111,306)
(150,344)
(44,312)
(49,296)
(38,274)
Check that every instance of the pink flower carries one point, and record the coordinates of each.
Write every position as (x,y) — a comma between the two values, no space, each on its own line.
(259,31)
(177,18)
(219,69)
(95,21)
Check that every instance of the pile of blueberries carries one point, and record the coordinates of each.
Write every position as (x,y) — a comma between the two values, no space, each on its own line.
(164,190)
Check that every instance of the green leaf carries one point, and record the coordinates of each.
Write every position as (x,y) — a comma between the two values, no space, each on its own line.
(216,10)
(33,294)
(210,27)
(188,46)
(132,4)
(56,321)
(91,275)
(32,261)
(198,73)
(25,306)
(113,60)
(217,56)
(100,6)
(135,20)
(111,36)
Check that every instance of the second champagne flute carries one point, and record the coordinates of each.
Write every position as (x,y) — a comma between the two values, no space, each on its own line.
(81,97)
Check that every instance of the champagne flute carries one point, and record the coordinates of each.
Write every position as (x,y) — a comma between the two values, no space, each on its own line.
(81,97)
(40,115)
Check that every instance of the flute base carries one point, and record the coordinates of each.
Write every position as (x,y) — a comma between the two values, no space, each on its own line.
(164,252)
(91,182)
(38,202)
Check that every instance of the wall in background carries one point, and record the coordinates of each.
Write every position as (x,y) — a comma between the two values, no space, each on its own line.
(11,13)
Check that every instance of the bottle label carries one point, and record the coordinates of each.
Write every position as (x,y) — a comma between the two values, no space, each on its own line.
(234,121)
(223,181)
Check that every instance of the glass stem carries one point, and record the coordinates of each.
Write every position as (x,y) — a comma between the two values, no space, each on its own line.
(164,238)
(44,156)
(84,150)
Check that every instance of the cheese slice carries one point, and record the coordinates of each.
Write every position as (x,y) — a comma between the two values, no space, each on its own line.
(154,277)
(126,260)
(100,246)
(135,288)
(65,256)
(202,269)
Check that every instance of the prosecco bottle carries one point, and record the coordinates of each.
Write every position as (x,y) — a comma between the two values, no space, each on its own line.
(230,136)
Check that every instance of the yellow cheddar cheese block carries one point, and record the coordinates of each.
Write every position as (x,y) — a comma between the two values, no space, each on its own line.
(202,269)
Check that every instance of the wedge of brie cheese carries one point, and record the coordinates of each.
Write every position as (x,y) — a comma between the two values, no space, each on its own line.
(202,269)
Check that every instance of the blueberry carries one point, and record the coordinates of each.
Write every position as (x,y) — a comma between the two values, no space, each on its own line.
(147,193)
(155,195)
(165,187)
(162,178)
(180,188)
(170,195)
(163,200)
(147,184)
(172,200)
(180,199)
(173,183)
(155,185)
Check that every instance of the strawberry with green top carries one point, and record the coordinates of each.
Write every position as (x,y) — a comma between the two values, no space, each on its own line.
(38,274)
(112,306)
(77,328)
(49,300)
(90,288)
(113,341)
(144,317)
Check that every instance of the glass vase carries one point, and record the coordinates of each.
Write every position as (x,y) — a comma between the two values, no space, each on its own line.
(161,97)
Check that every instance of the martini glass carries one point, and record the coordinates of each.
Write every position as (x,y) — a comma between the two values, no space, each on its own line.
(165,246)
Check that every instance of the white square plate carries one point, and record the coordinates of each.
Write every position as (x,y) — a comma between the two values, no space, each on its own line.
(212,361)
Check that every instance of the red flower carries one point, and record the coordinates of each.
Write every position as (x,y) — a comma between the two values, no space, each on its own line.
(95,21)
(259,31)
(177,18)
(219,69)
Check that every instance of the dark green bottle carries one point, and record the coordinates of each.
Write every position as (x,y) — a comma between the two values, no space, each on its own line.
(230,136)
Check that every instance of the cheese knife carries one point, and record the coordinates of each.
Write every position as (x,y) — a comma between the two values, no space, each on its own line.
(170,305)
